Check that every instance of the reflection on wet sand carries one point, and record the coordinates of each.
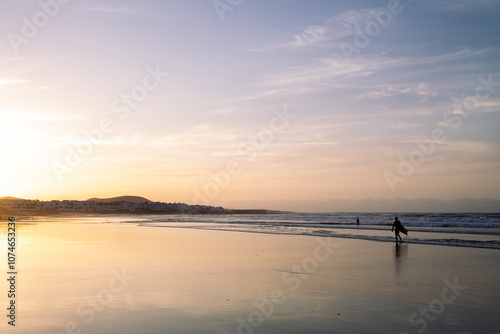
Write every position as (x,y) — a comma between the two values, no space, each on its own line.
(400,252)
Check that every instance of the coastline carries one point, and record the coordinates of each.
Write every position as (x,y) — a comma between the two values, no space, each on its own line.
(115,205)
(191,281)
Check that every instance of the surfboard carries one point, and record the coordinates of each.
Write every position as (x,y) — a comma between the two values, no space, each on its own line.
(404,230)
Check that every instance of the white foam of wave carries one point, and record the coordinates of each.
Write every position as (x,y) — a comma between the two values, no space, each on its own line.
(296,230)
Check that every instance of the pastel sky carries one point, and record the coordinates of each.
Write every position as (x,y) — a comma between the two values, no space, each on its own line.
(280,104)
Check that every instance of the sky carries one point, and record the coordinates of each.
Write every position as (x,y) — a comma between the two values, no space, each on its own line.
(279,104)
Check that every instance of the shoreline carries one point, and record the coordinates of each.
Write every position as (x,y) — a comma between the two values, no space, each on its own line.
(406,241)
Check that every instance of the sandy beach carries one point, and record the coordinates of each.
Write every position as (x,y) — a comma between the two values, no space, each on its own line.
(85,277)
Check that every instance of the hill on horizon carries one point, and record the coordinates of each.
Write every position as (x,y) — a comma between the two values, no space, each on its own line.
(133,199)
(12,198)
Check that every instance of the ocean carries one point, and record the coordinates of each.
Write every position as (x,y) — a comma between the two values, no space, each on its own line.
(479,230)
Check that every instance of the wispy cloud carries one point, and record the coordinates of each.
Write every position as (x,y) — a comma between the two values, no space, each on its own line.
(471,152)
(320,35)
(489,105)
(13,81)
(422,90)
(463,53)
(19,116)
(337,27)
(224,111)
(333,72)
(119,10)
(458,4)
(402,126)
(321,74)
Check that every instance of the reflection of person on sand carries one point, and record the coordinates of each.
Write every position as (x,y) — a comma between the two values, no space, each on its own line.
(397,227)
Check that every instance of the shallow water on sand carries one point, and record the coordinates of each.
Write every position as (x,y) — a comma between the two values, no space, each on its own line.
(80,276)
(479,230)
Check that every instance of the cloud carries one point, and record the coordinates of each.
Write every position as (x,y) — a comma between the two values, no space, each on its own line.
(402,125)
(19,116)
(200,137)
(120,10)
(321,74)
(320,35)
(225,111)
(446,124)
(471,151)
(334,72)
(457,5)
(13,81)
(465,52)
(422,90)
(488,106)
(336,27)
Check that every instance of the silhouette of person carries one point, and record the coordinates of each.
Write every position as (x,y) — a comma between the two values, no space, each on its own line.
(357,221)
(397,227)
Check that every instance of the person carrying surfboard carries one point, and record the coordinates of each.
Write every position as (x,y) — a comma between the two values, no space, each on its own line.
(398,227)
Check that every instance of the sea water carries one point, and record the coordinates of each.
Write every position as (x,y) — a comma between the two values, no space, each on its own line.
(480,230)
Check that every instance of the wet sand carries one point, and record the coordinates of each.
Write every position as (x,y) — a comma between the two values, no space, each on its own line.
(79,277)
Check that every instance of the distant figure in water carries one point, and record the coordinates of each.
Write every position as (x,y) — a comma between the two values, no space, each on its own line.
(397,227)
(357,221)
